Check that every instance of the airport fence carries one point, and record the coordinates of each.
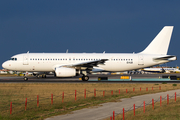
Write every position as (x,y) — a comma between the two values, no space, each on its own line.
(143,105)
(64,98)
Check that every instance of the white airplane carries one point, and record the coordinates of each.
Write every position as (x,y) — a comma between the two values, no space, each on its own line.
(72,64)
(161,70)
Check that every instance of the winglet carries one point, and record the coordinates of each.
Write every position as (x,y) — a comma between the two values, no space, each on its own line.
(160,43)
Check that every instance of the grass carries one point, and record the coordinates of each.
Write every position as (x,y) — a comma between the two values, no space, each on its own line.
(164,112)
(18,92)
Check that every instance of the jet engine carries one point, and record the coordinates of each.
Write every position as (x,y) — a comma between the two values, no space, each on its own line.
(65,72)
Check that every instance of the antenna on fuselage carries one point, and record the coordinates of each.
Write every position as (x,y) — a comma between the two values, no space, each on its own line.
(67,51)
(104,52)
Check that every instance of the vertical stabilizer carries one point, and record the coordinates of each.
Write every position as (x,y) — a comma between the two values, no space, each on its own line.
(160,43)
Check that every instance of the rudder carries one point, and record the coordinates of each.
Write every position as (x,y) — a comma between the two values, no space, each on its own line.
(160,43)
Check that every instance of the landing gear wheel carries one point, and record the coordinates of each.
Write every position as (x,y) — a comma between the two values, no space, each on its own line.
(25,78)
(85,78)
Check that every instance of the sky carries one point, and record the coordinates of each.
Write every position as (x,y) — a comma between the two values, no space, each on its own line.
(118,26)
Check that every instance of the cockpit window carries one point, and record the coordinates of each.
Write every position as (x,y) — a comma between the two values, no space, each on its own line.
(14,59)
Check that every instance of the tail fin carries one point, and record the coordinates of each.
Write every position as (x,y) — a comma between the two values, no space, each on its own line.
(160,43)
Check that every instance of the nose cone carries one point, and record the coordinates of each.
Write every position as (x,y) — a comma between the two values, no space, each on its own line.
(5,65)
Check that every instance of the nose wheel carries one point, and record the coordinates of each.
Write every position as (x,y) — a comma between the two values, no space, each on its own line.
(25,78)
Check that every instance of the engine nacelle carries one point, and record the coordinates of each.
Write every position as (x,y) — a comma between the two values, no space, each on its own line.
(65,72)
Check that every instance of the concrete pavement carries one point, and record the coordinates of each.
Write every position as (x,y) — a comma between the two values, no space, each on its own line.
(105,110)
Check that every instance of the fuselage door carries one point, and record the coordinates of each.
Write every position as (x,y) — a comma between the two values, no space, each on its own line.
(25,60)
(140,60)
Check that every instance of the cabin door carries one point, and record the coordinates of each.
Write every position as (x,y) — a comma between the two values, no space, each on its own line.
(140,60)
(25,60)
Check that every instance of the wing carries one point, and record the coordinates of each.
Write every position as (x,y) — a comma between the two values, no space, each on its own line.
(87,65)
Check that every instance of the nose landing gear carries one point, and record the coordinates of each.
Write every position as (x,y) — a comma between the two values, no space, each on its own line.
(25,78)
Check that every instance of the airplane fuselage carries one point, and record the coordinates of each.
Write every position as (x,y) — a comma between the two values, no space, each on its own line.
(72,64)
(47,62)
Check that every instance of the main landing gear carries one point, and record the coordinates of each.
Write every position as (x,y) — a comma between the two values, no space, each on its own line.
(85,78)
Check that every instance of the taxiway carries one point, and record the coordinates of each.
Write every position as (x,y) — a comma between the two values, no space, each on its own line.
(52,79)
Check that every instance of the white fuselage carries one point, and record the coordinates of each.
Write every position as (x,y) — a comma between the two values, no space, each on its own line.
(47,62)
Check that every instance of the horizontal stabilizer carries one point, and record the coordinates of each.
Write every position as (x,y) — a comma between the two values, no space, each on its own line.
(169,58)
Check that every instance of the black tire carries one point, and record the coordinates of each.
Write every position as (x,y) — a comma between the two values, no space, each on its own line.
(25,79)
(85,78)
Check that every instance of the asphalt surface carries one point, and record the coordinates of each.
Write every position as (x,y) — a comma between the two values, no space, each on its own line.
(52,79)
(105,110)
